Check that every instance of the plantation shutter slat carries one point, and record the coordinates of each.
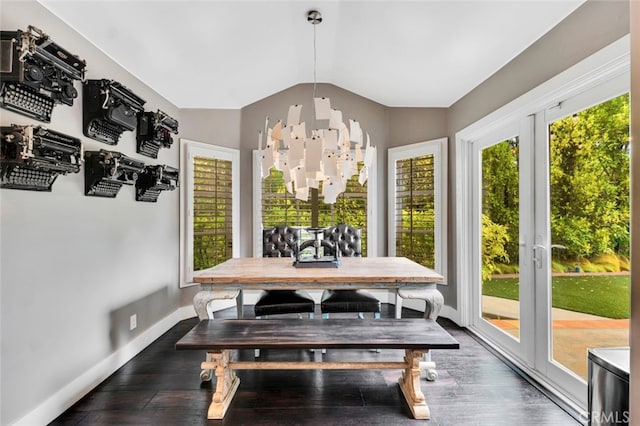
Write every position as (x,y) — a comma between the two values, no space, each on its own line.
(415,209)
(212,214)
(280,207)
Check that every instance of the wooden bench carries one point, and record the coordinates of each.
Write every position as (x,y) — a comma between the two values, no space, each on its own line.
(219,337)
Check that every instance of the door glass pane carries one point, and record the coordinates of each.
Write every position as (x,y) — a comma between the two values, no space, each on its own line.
(589,176)
(500,236)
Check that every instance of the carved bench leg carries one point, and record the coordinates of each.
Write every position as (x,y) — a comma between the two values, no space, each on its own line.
(410,385)
(206,374)
(226,383)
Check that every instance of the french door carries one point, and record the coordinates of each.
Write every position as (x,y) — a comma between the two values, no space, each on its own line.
(550,234)
(502,231)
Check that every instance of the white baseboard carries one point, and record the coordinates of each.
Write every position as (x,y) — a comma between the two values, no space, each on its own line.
(418,305)
(185,312)
(68,395)
(450,313)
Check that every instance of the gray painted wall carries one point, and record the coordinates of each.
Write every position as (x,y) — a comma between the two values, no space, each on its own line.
(74,268)
(219,127)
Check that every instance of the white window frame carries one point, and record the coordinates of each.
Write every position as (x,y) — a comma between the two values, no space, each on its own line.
(372,202)
(437,148)
(188,150)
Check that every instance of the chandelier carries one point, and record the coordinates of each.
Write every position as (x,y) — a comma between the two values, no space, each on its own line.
(323,159)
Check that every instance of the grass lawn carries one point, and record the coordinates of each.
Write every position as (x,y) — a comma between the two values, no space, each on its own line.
(606,296)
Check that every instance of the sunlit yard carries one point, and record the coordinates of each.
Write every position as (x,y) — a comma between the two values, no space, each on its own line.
(602,295)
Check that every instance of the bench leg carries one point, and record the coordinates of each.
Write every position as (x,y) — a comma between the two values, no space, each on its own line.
(206,374)
(433,305)
(226,384)
(410,385)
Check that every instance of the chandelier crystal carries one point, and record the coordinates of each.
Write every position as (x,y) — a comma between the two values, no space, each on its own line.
(323,159)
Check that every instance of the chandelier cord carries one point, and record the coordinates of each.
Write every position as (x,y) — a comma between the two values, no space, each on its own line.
(314,74)
(314,61)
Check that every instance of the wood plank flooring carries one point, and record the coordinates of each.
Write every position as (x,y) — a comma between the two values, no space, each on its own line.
(161,386)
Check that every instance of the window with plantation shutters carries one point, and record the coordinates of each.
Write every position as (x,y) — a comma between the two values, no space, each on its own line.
(417,203)
(276,206)
(279,207)
(210,209)
(212,213)
(350,208)
(414,212)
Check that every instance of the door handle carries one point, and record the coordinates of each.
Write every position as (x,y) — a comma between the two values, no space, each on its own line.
(537,257)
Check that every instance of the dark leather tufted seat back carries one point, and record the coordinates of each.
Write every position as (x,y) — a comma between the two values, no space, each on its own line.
(348,239)
(280,241)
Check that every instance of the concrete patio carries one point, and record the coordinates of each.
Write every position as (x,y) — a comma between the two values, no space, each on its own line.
(573,332)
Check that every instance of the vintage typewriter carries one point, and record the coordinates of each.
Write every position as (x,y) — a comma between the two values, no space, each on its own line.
(106,171)
(154,132)
(108,110)
(36,73)
(154,180)
(33,157)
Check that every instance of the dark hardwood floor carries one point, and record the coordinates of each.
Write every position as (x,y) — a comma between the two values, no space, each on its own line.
(161,386)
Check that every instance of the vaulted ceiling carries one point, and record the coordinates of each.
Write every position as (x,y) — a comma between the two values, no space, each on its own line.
(228,54)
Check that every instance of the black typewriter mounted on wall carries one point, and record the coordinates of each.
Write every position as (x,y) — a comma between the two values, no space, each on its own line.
(154,132)
(32,157)
(155,179)
(106,171)
(36,73)
(108,110)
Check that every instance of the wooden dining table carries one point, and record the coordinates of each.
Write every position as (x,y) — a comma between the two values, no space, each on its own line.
(229,279)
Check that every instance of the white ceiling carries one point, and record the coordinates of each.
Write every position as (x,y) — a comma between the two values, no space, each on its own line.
(228,54)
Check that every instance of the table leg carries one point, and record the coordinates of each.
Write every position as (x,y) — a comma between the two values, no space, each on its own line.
(226,383)
(434,302)
(203,297)
(433,298)
(240,304)
(410,385)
